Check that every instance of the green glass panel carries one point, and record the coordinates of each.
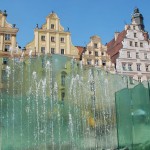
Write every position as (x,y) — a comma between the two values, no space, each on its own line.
(124,119)
(140,115)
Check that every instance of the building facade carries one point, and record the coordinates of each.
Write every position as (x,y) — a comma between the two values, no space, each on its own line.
(8,34)
(130,49)
(95,54)
(51,38)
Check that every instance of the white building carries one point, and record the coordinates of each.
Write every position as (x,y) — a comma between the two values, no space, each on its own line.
(130,49)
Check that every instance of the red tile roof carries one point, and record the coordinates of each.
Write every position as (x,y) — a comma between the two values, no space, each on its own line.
(114,46)
(80,49)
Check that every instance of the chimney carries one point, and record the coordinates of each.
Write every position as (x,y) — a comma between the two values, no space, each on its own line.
(116,35)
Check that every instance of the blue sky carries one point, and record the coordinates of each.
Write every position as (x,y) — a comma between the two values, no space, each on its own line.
(83,17)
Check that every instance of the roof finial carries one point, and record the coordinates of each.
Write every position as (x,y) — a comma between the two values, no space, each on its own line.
(37,26)
(68,29)
(5,13)
(136,10)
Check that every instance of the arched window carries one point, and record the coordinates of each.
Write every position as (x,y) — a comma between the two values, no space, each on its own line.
(63,78)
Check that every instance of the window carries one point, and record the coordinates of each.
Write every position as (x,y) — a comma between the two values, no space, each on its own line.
(128,55)
(145,55)
(90,52)
(135,35)
(141,44)
(130,67)
(63,77)
(7,37)
(5,61)
(89,61)
(52,39)
(62,40)
(139,79)
(62,51)
(137,55)
(52,26)
(43,50)
(42,38)
(138,67)
(131,43)
(7,48)
(96,62)
(133,27)
(95,45)
(146,67)
(96,53)
(102,53)
(124,66)
(52,50)
(136,44)
(62,96)
(103,62)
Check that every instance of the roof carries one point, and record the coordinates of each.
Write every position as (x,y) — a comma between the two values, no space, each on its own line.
(80,49)
(114,46)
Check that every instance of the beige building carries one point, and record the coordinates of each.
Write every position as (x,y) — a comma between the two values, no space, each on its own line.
(95,54)
(51,38)
(8,34)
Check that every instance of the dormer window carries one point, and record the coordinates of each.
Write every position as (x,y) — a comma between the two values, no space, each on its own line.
(52,26)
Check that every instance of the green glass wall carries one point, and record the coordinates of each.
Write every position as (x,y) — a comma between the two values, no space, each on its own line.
(133,113)
(86,108)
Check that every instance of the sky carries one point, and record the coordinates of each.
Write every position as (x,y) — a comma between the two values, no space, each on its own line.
(84,18)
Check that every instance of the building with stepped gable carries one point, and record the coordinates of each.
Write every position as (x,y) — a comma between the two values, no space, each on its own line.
(51,38)
(130,49)
(95,54)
